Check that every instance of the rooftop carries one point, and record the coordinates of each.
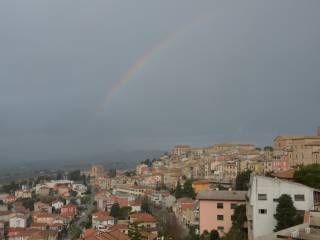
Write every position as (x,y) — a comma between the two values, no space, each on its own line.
(222,195)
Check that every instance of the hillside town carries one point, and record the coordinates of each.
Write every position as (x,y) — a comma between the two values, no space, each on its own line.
(223,191)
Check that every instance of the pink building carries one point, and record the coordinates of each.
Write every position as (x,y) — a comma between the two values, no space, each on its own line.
(216,209)
(281,164)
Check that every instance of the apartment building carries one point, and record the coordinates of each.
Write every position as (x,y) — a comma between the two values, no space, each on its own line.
(262,202)
(216,209)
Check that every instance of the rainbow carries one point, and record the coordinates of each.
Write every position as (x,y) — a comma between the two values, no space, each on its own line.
(144,59)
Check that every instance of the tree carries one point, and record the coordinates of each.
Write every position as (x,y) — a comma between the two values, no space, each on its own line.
(178,193)
(286,213)
(238,231)
(134,233)
(147,162)
(75,176)
(124,213)
(268,148)
(205,235)
(10,188)
(74,232)
(28,203)
(192,233)
(242,180)
(112,173)
(188,190)
(214,235)
(115,210)
(145,206)
(308,175)
(59,176)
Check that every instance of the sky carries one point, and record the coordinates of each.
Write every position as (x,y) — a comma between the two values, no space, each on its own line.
(82,78)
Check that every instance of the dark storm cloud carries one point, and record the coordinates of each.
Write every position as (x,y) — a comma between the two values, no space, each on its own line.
(247,73)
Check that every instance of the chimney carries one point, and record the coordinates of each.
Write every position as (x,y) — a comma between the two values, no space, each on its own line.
(318,132)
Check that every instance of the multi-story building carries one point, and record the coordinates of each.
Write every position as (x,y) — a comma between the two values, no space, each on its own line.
(262,202)
(180,149)
(97,171)
(216,209)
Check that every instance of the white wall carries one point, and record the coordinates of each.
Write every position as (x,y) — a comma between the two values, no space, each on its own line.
(265,223)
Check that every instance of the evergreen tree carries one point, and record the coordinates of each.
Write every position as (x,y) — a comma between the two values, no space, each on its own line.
(178,192)
(124,213)
(145,206)
(242,180)
(286,213)
(205,235)
(214,235)
(237,231)
(74,232)
(188,190)
(115,210)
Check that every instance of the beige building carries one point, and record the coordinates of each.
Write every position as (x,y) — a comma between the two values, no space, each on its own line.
(180,149)
(97,171)
(301,150)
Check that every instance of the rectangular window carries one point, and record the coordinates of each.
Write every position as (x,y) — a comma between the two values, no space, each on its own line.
(220,217)
(219,205)
(233,205)
(262,197)
(262,211)
(220,228)
(299,197)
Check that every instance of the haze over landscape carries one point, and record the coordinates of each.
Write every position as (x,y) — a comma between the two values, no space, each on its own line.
(123,80)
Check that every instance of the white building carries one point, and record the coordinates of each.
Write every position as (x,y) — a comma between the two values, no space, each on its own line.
(57,204)
(101,220)
(262,202)
(18,220)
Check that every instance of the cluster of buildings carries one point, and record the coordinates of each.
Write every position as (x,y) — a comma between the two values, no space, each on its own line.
(40,212)
(212,171)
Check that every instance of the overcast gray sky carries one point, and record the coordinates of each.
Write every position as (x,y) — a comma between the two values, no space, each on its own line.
(247,71)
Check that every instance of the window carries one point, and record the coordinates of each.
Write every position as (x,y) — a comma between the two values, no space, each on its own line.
(220,217)
(219,205)
(262,211)
(233,205)
(262,197)
(299,197)
(220,228)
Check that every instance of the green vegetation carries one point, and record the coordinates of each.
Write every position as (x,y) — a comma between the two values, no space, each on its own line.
(286,214)
(112,173)
(120,213)
(10,188)
(308,175)
(178,193)
(134,233)
(28,203)
(268,148)
(115,210)
(145,207)
(192,233)
(124,213)
(213,235)
(237,231)
(242,181)
(76,176)
(186,191)
(147,162)
(130,173)
(74,232)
